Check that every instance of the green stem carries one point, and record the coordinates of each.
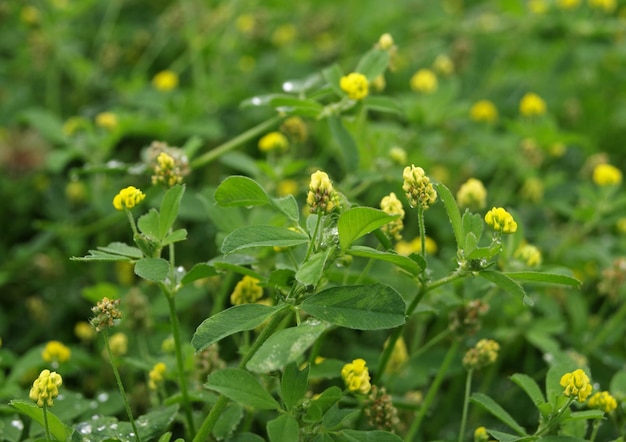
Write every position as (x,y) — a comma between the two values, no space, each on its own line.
(209,422)
(180,364)
(422,229)
(442,335)
(45,421)
(120,386)
(131,220)
(432,392)
(235,142)
(594,432)
(314,237)
(468,389)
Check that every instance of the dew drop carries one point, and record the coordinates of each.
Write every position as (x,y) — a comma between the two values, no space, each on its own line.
(103,397)
(84,428)
(16,423)
(288,86)
(256,101)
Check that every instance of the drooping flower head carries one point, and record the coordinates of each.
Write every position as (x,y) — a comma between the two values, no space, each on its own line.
(391,205)
(246,291)
(531,105)
(322,196)
(418,188)
(603,401)
(355,85)
(356,376)
(46,388)
(128,198)
(501,220)
(576,384)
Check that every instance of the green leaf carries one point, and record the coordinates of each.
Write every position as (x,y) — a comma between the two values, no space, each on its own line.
(506,437)
(262,236)
(240,191)
(149,223)
(507,284)
(494,408)
(370,436)
(333,76)
(360,307)
(348,148)
(229,419)
(169,209)
(175,236)
(154,423)
(57,428)
(373,63)
(531,388)
(199,271)
(286,346)
(233,320)
(335,416)
(359,221)
(384,104)
(586,414)
(290,105)
(310,273)
(404,262)
(288,206)
(549,278)
(319,406)
(283,428)
(123,249)
(241,387)
(113,252)
(454,215)
(293,384)
(152,269)
(472,223)
(618,385)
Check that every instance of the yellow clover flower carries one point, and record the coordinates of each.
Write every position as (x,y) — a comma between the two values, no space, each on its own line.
(603,401)
(156,376)
(118,343)
(424,81)
(356,376)
(405,248)
(391,205)
(273,141)
(55,351)
(501,220)
(45,388)
(481,435)
(472,194)
(322,196)
(443,65)
(246,291)
(165,81)
(531,105)
(530,254)
(385,42)
(107,120)
(484,111)
(606,175)
(484,353)
(418,188)
(576,384)
(128,198)
(355,85)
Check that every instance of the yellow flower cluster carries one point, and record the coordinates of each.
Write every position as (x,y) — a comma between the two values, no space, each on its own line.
(530,254)
(273,141)
(501,220)
(45,388)
(322,196)
(576,384)
(296,129)
(156,375)
(84,331)
(424,81)
(472,194)
(166,171)
(128,198)
(415,246)
(246,291)
(443,65)
(484,111)
(531,105)
(385,42)
(484,353)
(356,376)
(165,81)
(107,120)
(391,205)
(118,343)
(606,175)
(398,155)
(603,401)
(481,435)
(55,351)
(418,188)
(355,85)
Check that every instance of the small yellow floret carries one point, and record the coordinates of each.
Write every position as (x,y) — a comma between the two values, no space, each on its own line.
(576,384)
(606,175)
(418,188)
(128,198)
(481,435)
(322,196)
(156,376)
(118,343)
(55,351)
(246,291)
(273,141)
(472,194)
(424,81)
(356,376)
(530,254)
(603,401)
(165,81)
(391,205)
(501,220)
(106,120)
(355,85)
(443,65)
(385,41)
(484,111)
(531,105)
(45,388)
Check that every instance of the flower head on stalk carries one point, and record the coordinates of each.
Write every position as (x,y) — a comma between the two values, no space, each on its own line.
(56,352)
(355,85)
(603,401)
(322,196)
(106,312)
(391,205)
(356,376)
(45,388)
(128,198)
(418,188)
(501,220)
(576,384)
(246,291)
(484,353)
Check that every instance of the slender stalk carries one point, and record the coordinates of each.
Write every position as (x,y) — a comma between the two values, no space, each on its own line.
(594,432)
(180,364)
(468,389)
(422,229)
(232,144)
(209,422)
(432,392)
(120,386)
(314,237)
(45,421)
